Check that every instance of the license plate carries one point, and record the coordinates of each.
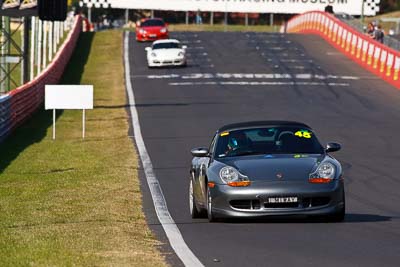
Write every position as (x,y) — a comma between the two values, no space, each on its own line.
(282,200)
(153,35)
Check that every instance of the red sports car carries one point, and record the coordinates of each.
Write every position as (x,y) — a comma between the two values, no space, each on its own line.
(151,29)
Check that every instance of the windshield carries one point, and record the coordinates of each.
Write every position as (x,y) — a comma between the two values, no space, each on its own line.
(152,23)
(166,45)
(273,140)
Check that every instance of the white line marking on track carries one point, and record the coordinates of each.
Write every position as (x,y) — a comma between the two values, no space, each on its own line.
(277,43)
(296,67)
(303,76)
(297,60)
(191,42)
(195,47)
(334,53)
(171,230)
(260,83)
(189,60)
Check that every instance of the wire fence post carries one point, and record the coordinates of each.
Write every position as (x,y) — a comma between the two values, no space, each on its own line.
(32,50)
(50,41)
(39,47)
(44,44)
(54,38)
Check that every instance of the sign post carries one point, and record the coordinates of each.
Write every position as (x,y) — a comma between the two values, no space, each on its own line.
(54,124)
(83,124)
(69,97)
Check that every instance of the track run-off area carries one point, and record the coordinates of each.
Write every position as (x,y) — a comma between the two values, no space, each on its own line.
(236,77)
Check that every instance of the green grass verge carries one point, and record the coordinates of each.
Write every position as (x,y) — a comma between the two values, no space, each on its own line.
(72,201)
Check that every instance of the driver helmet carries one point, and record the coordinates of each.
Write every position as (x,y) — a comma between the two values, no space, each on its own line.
(237,140)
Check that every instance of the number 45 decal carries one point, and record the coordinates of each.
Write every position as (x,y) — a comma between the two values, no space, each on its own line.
(303,134)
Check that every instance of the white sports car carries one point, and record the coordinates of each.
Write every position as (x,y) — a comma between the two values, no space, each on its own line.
(168,52)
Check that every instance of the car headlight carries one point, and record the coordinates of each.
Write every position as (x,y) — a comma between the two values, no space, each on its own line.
(142,31)
(180,54)
(163,30)
(325,173)
(153,54)
(232,177)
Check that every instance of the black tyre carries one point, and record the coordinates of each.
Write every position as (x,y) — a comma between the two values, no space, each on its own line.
(194,212)
(339,216)
(210,214)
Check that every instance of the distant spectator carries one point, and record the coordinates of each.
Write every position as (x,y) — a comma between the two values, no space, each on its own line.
(370,30)
(199,20)
(379,34)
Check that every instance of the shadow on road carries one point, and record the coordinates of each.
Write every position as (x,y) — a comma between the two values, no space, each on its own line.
(359,218)
(35,129)
(350,218)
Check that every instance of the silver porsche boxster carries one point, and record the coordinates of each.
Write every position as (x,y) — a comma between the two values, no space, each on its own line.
(265,168)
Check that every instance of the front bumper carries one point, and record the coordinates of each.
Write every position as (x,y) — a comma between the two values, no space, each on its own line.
(151,36)
(167,62)
(313,199)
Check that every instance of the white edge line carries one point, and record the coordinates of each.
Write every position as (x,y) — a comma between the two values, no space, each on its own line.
(171,230)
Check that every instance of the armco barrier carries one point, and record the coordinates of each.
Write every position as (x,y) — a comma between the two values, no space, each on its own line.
(370,54)
(20,103)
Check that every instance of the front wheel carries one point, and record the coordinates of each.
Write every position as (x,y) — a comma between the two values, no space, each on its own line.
(210,214)
(194,212)
(339,215)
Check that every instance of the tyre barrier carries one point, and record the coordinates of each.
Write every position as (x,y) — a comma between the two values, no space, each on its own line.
(379,59)
(19,104)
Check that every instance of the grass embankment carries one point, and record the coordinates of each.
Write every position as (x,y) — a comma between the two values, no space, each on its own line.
(74,202)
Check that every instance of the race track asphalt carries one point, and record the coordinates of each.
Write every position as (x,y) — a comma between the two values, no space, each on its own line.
(301,78)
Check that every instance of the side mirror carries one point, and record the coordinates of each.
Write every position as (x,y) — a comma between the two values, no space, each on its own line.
(138,24)
(199,152)
(184,46)
(166,25)
(333,147)
(147,49)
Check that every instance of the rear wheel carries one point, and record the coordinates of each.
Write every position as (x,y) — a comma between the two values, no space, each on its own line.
(194,212)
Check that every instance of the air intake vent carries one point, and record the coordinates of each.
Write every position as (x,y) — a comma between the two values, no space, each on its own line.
(246,204)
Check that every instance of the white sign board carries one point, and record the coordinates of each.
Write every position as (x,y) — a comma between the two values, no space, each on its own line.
(68,97)
(352,7)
